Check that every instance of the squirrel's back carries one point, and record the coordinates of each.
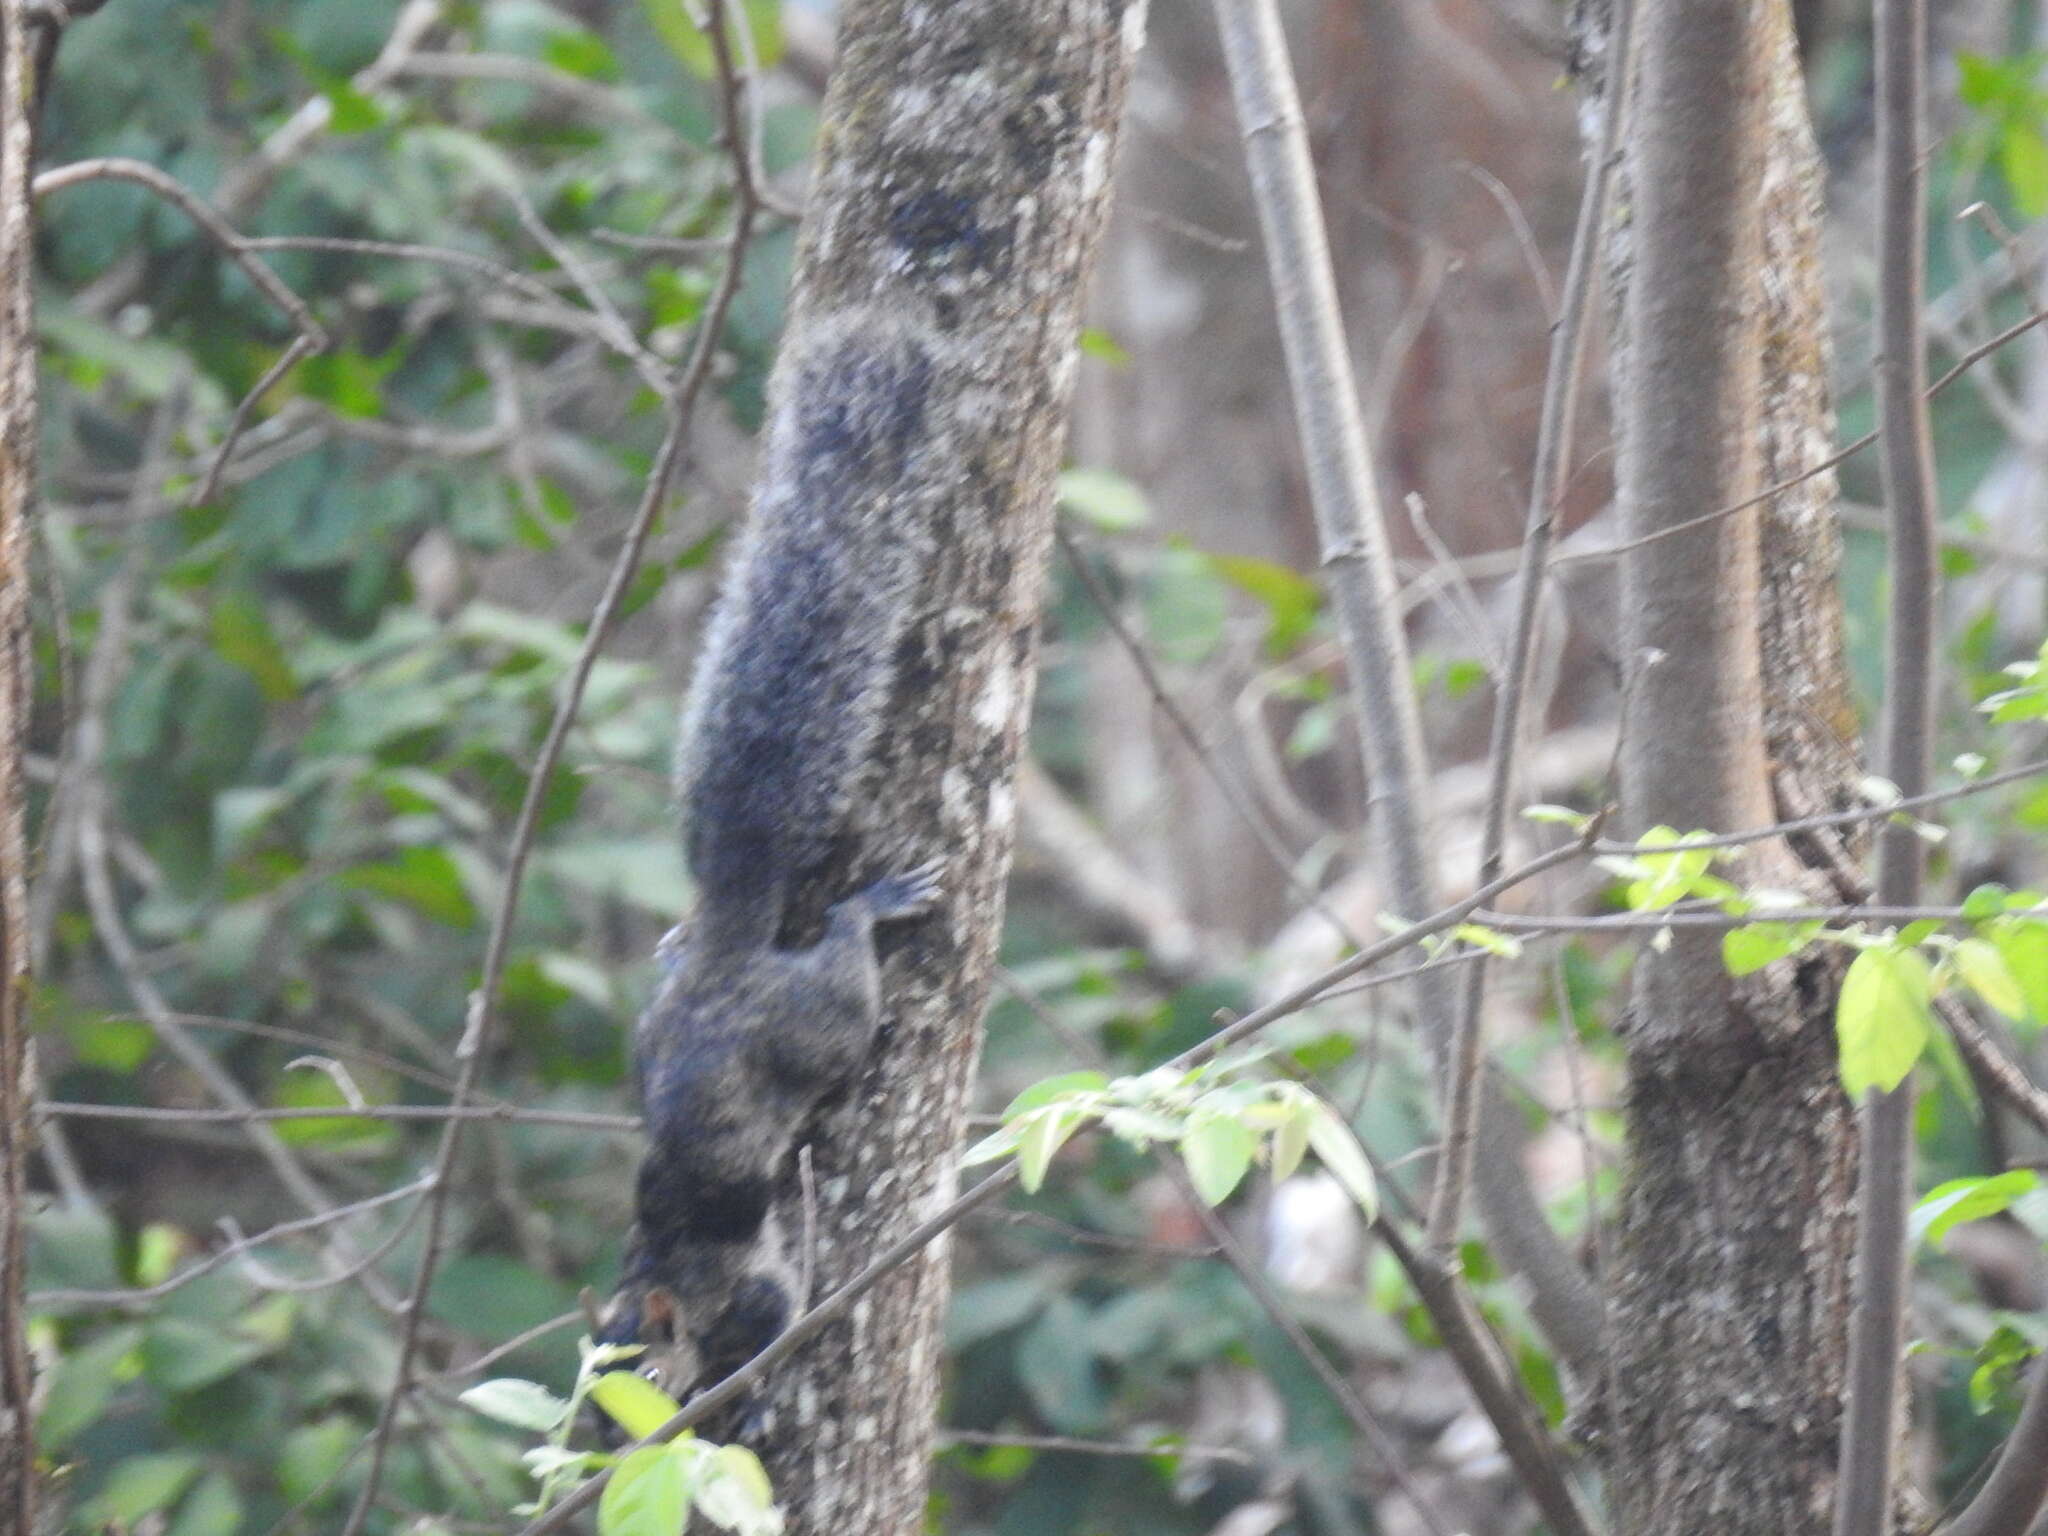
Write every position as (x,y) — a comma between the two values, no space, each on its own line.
(797,660)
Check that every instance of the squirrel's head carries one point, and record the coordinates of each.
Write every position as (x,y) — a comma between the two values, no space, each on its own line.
(668,1358)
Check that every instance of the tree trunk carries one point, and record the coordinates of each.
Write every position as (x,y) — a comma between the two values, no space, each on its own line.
(964,169)
(17,497)
(1731,1284)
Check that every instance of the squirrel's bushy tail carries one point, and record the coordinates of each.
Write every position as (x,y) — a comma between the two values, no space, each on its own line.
(797,660)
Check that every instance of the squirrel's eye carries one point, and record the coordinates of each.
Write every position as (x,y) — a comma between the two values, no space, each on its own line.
(651,1374)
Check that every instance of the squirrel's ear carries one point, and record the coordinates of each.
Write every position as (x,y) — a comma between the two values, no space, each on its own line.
(660,1314)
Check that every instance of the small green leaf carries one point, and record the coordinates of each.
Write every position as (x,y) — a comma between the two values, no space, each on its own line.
(2023,157)
(637,1405)
(1105,499)
(1563,815)
(734,1492)
(82,1386)
(1985,902)
(1051,1088)
(1985,972)
(1882,1018)
(138,1486)
(1340,1152)
(1999,1359)
(1291,600)
(1492,940)
(648,1495)
(351,111)
(423,878)
(2023,945)
(1217,1150)
(1751,948)
(1290,1141)
(1045,1133)
(1959,1200)
(1103,347)
(522,1404)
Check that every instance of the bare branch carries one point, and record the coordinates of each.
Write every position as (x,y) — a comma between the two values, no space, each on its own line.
(1877,1325)
(1548,482)
(237,1247)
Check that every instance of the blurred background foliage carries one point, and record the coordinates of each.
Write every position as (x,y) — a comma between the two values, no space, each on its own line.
(284,729)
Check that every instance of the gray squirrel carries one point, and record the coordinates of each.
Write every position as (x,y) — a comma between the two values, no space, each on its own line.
(752,1026)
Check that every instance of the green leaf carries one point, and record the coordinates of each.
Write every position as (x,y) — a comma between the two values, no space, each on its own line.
(424,878)
(213,1508)
(1290,1141)
(522,1404)
(1187,607)
(1045,1133)
(577,52)
(313,1457)
(1218,1150)
(1751,948)
(242,635)
(648,1495)
(1999,1359)
(1985,972)
(2023,157)
(1105,499)
(1290,599)
(2023,945)
(1959,1200)
(1494,942)
(1103,347)
(734,1492)
(82,1386)
(637,1405)
(1985,902)
(351,111)
(138,1486)
(1882,1018)
(1055,1364)
(1049,1089)
(1340,1152)
(1563,815)
(181,1356)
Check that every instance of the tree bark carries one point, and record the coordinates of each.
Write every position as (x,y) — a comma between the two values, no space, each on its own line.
(1731,1282)
(17,498)
(964,170)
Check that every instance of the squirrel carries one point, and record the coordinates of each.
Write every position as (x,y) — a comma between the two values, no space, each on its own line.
(751,1029)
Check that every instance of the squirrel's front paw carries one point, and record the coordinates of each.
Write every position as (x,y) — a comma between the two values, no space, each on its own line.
(906,895)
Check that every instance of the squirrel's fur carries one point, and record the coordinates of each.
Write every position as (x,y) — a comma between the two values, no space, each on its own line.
(748,1033)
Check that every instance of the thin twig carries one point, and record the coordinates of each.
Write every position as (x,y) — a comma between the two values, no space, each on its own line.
(1877,1323)
(950,1439)
(237,1246)
(1835,460)
(437,1114)
(1546,504)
